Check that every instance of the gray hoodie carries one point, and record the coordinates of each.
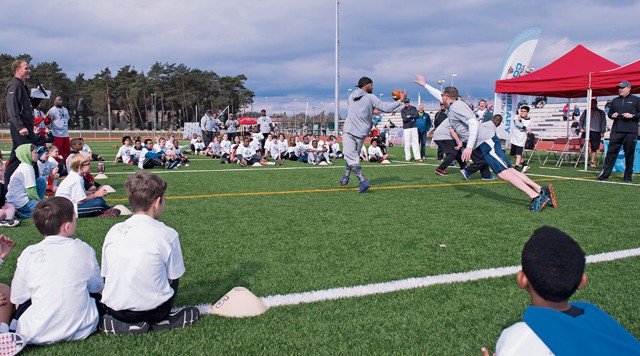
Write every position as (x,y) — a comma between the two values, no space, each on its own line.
(360,115)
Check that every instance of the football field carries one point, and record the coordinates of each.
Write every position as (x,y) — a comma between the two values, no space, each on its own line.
(419,264)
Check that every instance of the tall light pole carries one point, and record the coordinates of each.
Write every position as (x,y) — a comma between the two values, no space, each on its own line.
(441,81)
(153,97)
(453,76)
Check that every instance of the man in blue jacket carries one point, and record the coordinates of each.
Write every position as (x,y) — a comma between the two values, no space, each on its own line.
(423,123)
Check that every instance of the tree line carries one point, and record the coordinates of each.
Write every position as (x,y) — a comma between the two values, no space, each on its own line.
(176,90)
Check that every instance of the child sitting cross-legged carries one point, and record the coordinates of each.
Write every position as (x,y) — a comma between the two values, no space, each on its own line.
(86,203)
(553,267)
(141,264)
(54,279)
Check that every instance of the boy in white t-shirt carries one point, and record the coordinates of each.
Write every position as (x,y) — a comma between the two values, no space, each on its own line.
(142,263)
(124,153)
(375,153)
(86,203)
(24,191)
(54,279)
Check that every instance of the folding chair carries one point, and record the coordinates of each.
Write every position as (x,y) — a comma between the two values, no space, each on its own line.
(533,151)
(557,147)
(574,147)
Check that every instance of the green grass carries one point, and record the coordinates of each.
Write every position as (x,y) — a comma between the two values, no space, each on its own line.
(288,243)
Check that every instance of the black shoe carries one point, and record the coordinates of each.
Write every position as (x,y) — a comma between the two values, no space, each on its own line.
(110,325)
(628,181)
(179,319)
(601,178)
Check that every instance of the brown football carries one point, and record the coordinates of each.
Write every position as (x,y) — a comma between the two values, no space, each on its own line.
(396,94)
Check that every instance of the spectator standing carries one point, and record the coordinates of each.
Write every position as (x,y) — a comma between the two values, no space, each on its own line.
(597,127)
(207,124)
(521,127)
(409,131)
(438,118)
(60,127)
(265,124)
(232,127)
(423,123)
(625,112)
(19,113)
(482,113)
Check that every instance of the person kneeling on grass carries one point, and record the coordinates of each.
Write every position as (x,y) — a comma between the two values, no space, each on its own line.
(142,263)
(553,266)
(55,280)
(86,203)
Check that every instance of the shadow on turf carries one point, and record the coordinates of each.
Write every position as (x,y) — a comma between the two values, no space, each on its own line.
(216,288)
(491,194)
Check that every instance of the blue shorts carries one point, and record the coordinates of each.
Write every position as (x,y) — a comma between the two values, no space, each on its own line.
(491,151)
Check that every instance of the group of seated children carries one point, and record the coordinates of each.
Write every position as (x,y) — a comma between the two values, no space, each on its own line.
(377,152)
(31,183)
(248,149)
(58,298)
(162,153)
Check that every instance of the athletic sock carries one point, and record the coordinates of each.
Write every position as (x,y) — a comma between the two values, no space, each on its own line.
(347,171)
(358,172)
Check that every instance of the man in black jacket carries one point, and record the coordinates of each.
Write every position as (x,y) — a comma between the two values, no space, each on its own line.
(439,117)
(409,131)
(20,113)
(625,112)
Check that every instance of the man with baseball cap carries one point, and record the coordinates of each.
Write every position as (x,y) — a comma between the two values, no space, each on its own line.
(625,112)
(358,124)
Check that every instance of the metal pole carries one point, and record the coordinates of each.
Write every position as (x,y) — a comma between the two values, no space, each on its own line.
(154,115)
(336,110)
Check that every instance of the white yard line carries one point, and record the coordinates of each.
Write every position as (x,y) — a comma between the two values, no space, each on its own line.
(411,283)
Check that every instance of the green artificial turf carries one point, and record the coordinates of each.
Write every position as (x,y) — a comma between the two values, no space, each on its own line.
(290,229)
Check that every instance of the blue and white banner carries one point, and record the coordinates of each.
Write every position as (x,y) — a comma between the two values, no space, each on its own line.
(514,64)
(620,164)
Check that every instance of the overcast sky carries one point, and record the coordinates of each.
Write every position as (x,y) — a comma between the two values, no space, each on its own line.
(286,48)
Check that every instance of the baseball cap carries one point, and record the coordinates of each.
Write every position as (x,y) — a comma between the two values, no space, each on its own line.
(624,84)
(364,81)
(407,100)
(208,110)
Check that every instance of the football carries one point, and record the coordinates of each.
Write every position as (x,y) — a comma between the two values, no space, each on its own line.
(396,94)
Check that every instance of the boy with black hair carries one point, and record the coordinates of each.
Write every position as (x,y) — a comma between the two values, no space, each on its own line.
(124,153)
(54,278)
(142,263)
(553,267)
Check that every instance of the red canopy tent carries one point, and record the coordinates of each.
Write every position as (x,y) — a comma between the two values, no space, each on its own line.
(245,120)
(566,77)
(606,82)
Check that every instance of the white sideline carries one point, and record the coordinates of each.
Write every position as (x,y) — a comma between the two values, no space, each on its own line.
(412,283)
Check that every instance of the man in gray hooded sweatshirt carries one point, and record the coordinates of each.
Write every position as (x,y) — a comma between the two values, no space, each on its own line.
(358,125)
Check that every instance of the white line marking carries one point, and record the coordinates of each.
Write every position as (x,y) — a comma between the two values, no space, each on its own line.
(591,180)
(245,169)
(556,168)
(411,283)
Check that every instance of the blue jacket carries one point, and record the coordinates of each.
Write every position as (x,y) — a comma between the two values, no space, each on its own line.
(592,333)
(423,123)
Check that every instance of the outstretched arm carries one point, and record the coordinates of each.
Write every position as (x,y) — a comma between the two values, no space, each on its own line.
(433,91)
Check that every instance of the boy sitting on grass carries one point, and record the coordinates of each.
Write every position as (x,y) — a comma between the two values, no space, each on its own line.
(53,280)
(142,263)
(87,203)
(552,270)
